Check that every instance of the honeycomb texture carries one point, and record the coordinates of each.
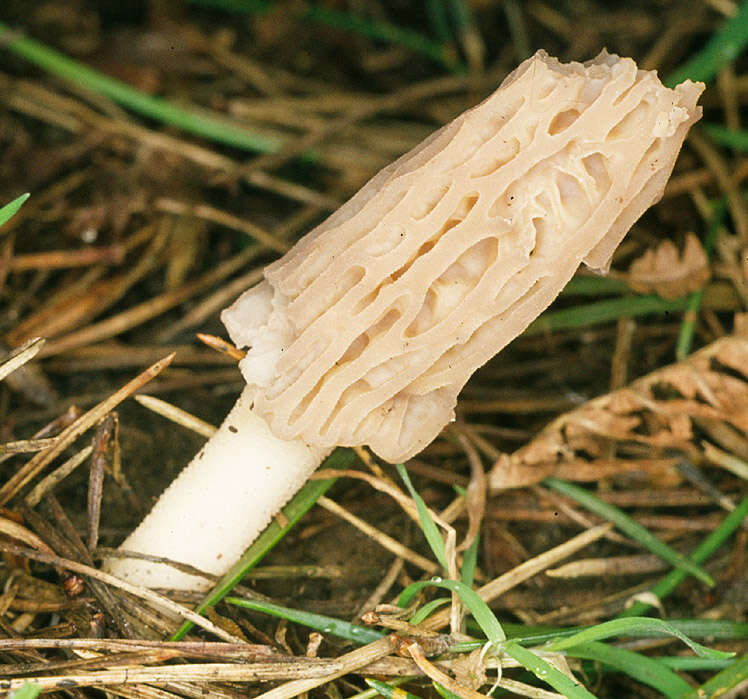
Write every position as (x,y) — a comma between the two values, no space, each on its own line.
(367,329)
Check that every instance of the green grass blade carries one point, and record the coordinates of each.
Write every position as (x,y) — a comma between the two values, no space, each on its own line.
(718,537)
(634,626)
(470,563)
(691,664)
(688,325)
(424,612)
(606,311)
(546,672)
(443,692)
(436,11)
(630,527)
(253,7)
(208,127)
(28,690)
(729,678)
(527,635)
(481,612)
(724,46)
(384,31)
(294,511)
(389,689)
(737,140)
(639,667)
(713,629)
(346,21)
(11,209)
(318,622)
(428,526)
(594,286)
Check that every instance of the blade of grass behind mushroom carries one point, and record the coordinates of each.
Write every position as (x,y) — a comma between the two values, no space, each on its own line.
(84,77)
(371,29)
(723,47)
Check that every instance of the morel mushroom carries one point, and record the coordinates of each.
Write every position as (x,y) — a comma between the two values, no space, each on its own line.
(365,332)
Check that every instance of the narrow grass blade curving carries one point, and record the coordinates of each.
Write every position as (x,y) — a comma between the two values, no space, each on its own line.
(723,136)
(424,612)
(376,30)
(546,672)
(630,527)
(691,664)
(634,626)
(428,526)
(470,563)
(318,622)
(637,666)
(481,612)
(712,629)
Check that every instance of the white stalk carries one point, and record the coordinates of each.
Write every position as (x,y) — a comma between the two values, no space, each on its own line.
(219,503)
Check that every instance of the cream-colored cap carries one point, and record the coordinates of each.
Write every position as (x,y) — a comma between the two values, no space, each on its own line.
(367,329)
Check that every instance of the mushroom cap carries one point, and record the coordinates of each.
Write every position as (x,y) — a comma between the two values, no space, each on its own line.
(367,329)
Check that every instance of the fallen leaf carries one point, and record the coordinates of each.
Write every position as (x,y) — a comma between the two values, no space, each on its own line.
(643,423)
(663,271)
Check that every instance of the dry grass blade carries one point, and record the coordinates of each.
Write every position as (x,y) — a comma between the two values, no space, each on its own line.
(59,259)
(26,446)
(387,542)
(57,476)
(176,415)
(73,304)
(727,461)
(20,356)
(430,670)
(618,565)
(16,531)
(222,346)
(527,690)
(30,470)
(349,662)
(209,213)
(119,323)
(142,592)
(101,442)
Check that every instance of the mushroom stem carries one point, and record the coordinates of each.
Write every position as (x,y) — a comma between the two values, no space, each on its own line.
(219,503)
